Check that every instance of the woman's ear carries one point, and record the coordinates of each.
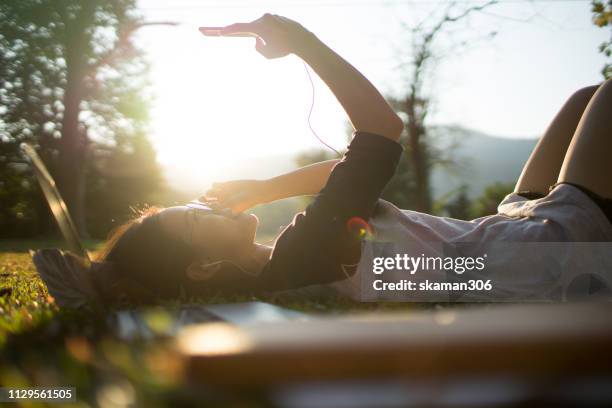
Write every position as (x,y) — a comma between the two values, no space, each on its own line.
(200,270)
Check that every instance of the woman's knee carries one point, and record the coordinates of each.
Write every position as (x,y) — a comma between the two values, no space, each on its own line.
(605,89)
(583,95)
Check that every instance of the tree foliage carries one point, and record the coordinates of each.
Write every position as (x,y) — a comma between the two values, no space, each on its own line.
(460,206)
(490,198)
(602,17)
(73,84)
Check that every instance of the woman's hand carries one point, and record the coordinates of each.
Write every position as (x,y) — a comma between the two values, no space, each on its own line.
(238,195)
(276,36)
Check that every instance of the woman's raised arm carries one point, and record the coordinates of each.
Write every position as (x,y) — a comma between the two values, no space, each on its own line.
(366,108)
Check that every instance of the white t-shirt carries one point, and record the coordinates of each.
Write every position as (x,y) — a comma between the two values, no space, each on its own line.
(533,249)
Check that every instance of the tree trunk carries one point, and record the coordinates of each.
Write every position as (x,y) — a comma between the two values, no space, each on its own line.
(73,146)
(416,131)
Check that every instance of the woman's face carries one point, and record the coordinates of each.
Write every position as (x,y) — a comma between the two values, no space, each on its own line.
(217,235)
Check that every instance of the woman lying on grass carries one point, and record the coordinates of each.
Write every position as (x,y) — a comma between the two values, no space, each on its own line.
(563,195)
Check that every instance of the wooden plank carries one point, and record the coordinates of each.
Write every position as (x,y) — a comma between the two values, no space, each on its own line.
(535,340)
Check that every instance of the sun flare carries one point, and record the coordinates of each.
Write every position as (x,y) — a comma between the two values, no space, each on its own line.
(218,102)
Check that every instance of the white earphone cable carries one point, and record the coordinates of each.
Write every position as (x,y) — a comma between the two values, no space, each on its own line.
(312,108)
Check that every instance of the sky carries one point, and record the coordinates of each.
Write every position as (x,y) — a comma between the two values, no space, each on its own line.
(218,102)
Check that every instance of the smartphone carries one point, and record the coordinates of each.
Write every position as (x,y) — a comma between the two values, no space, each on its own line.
(216,32)
(199,205)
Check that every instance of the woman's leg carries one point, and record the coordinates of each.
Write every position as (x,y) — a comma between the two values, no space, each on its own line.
(588,161)
(543,166)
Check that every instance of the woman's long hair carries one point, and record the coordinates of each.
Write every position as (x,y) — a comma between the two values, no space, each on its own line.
(148,263)
(118,232)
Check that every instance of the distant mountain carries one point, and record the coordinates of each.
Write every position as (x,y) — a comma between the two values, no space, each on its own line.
(482,160)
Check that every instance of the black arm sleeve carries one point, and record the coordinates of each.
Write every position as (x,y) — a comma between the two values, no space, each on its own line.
(314,246)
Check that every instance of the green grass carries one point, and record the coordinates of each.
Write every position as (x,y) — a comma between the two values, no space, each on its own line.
(41,344)
(24,301)
(24,245)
